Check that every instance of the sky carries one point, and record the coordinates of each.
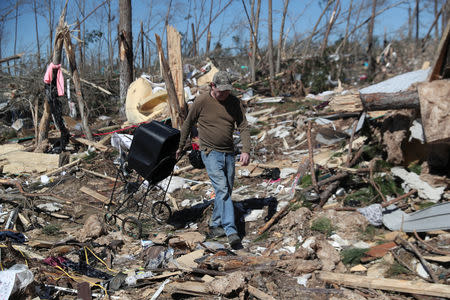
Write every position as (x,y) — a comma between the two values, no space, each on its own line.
(302,15)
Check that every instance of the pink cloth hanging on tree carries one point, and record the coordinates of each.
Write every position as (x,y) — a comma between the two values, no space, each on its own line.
(59,77)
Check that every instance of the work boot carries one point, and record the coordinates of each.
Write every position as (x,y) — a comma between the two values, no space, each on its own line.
(216,232)
(234,240)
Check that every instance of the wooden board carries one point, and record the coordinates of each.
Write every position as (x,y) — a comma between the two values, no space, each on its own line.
(405,286)
(94,194)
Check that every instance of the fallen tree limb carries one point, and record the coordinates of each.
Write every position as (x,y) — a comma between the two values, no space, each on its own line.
(98,174)
(404,286)
(388,101)
(88,82)
(5,59)
(429,247)
(424,263)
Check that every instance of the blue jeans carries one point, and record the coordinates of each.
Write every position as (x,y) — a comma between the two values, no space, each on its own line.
(220,168)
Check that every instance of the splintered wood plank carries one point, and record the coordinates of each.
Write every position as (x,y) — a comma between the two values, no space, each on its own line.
(175,63)
(404,286)
(439,63)
(94,194)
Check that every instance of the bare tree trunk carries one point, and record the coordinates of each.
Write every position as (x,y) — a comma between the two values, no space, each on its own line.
(15,35)
(77,83)
(125,51)
(79,42)
(270,49)
(308,43)
(333,18)
(166,22)
(344,42)
(50,24)
(436,29)
(410,22)
(342,46)
(142,47)
(445,16)
(37,35)
(280,39)
(253,22)
(194,42)
(417,27)
(56,59)
(110,46)
(83,57)
(370,54)
(208,37)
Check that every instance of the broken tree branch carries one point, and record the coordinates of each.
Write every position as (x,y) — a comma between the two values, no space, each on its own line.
(429,247)
(387,101)
(88,82)
(424,263)
(5,59)
(311,159)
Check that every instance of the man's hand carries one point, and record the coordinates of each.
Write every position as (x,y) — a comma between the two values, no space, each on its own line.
(178,154)
(244,159)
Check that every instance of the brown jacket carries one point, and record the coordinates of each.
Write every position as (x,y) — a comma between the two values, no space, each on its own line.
(216,122)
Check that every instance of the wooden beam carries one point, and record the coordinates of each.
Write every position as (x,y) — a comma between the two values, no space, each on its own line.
(388,101)
(94,194)
(404,286)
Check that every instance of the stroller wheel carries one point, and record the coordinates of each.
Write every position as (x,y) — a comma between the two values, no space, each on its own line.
(161,211)
(110,219)
(132,227)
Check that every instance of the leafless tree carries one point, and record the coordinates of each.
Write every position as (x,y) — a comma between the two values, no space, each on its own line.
(370,46)
(253,23)
(333,18)
(270,48)
(280,39)
(15,33)
(208,36)
(313,33)
(125,51)
(38,46)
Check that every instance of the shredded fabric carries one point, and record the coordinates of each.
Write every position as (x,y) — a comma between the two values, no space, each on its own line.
(373,214)
(48,77)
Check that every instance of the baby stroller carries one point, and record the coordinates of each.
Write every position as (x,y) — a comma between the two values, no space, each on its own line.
(151,159)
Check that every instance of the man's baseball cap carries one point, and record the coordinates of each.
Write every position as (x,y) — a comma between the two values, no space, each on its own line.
(222,81)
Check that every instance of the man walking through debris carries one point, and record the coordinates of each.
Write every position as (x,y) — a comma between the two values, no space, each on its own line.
(216,114)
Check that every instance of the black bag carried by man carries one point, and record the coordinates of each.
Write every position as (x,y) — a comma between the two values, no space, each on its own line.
(195,157)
